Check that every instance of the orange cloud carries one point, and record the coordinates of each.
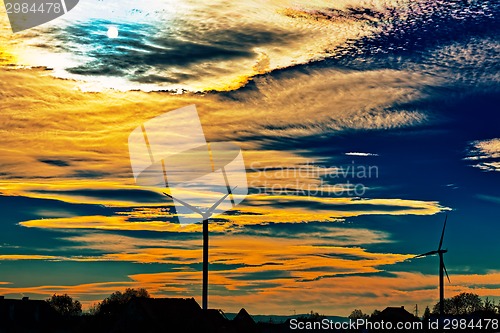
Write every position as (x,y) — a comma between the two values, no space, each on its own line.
(257,209)
(334,296)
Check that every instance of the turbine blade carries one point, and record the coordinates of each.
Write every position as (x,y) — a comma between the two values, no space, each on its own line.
(426,254)
(215,205)
(185,204)
(446,273)
(442,235)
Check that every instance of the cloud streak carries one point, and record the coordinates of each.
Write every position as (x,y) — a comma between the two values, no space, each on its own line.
(485,154)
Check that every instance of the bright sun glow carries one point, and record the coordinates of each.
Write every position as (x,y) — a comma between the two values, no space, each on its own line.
(112,32)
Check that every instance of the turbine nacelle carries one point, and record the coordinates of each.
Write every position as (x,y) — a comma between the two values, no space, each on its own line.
(439,249)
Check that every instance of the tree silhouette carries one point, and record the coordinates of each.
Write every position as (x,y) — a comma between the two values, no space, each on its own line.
(357,314)
(375,313)
(427,314)
(464,303)
(312,316)
(64,305)
(489,306)
(116,301)
(128,295)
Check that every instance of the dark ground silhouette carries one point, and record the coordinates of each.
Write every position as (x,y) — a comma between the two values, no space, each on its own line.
(135,311)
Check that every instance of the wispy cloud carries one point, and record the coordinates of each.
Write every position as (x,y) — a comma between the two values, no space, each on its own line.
(85,136)
(485,154)
(360,154)
(255,209)
(195,46)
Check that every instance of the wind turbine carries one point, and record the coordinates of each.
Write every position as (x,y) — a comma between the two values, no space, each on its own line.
(171,151)
(205,216)
(442,268)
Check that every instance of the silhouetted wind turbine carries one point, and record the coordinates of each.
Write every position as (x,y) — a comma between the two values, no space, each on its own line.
(205,216)
(442,268)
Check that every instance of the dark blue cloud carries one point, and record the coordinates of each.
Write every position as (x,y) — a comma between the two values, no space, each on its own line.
(143,51)
(64,273)
(107,195)
(264,275)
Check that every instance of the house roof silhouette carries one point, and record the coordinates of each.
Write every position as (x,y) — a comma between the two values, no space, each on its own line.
(395,314)
(243,322)
(172,315)
(244,317)
(216,317)
(26,313)
(162,308)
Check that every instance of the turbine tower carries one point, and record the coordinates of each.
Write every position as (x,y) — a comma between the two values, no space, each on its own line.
(205,216)
(442,268)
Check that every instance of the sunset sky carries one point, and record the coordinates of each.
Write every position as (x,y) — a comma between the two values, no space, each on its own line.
(362,124)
